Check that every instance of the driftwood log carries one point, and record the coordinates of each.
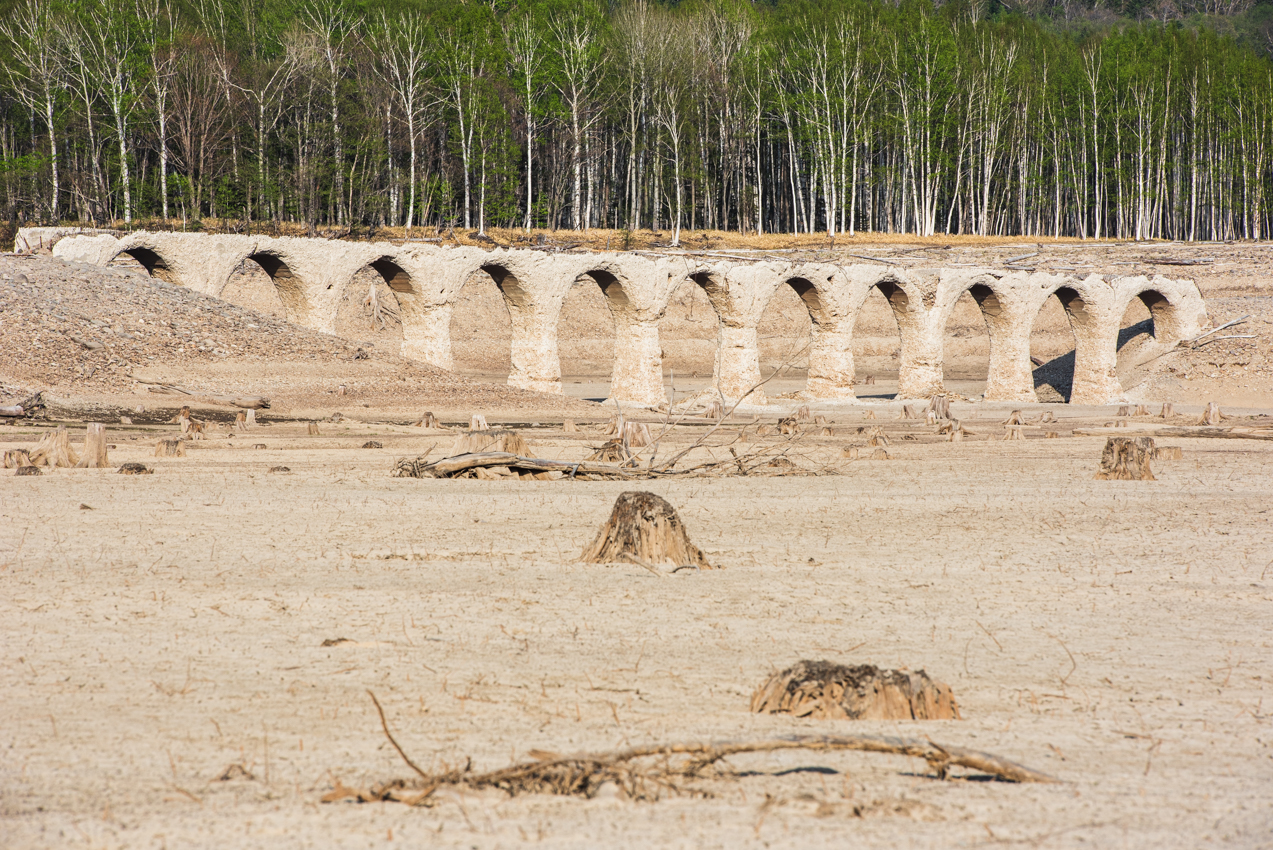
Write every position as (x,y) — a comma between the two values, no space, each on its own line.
(451,467)
(644,529)
(95,456)
(826,691)
(1127,459)
(1229,433)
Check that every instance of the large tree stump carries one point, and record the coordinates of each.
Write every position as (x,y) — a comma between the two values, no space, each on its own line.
(54,449)
(1127,459)
(94,448)
(1212,415)
(312,429)
(502,440)
(940,406)
(477,422)
(825,691)
(643,528)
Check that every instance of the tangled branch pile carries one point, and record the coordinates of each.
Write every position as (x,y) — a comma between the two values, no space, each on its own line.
(649,772)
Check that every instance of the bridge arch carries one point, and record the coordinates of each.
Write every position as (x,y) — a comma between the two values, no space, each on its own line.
(152,261)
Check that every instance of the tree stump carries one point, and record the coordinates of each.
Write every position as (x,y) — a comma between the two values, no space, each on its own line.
(879,454)
(1168,453)
(1127,459)
(1140,410)
(1015,418)
(789,426)
(312,429)
(191,428)
(940,405)
(373,444)
(1051,435)
(870,414)
(28,470)
(877,437)
(502,440)
(715,410)
(819,420)
(54,449)
(17,458)
(1124,410)
(125,420)
(636,435)
(241,422)
(824,691)
(250,419)
(826,432)
(170,448)
(645,529)
(870,379)
(802,413)
(1047,417)
(1168,410)
(94,448)
(478,423)
(764,430)
(134,468)
(1212,415)
(851,452)
(569,427)
(1014,432)
(908,412)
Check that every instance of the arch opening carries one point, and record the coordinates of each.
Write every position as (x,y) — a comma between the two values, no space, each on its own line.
(877,341)
(1140,334)
(370,311)
(688,335)
(265,283)
(586,331)
(966,341)
(785,332)
(1053,344)
(481,325)
(147,260)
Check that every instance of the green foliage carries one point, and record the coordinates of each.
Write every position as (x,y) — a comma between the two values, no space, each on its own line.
(1137,118)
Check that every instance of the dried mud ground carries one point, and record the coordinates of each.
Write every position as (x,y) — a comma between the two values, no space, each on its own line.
(160,630)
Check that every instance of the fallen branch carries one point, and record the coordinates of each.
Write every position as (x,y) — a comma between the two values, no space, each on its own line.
(1180,431)
(644,772)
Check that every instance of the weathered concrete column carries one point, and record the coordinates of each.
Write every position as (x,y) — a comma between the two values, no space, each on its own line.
(426,334)
(1095,364)
(919,375)
(831,359)
(536,364)
(737,367)
(638,361)
(1008,319)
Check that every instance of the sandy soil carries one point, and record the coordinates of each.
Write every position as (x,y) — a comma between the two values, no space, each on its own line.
(161,629)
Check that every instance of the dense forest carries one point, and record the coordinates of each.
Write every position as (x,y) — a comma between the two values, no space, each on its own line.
(1150,119)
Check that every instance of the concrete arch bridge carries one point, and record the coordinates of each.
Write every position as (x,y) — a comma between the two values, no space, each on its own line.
(311,277)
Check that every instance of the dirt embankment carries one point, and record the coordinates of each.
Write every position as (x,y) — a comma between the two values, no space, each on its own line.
(111,334)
